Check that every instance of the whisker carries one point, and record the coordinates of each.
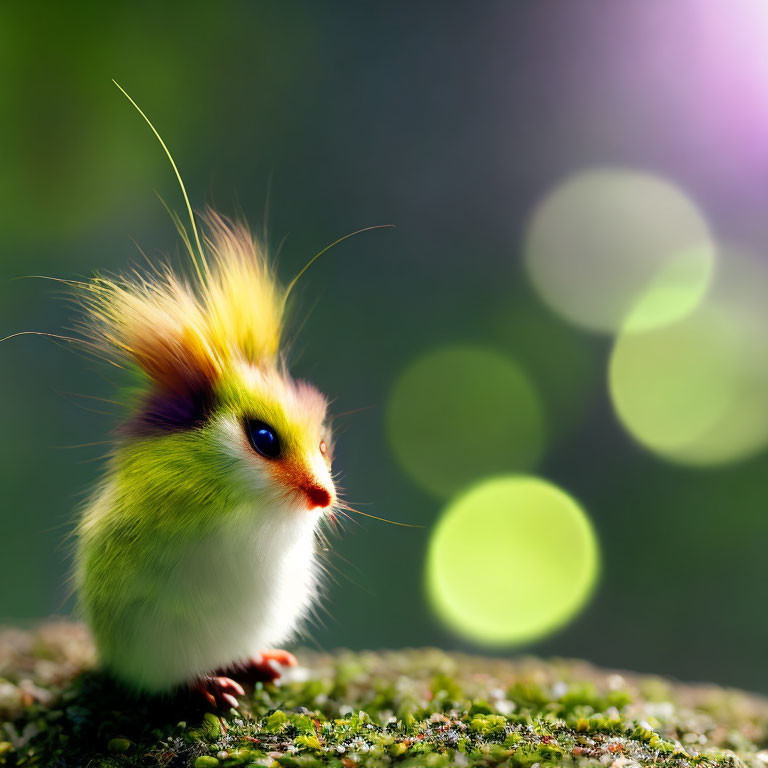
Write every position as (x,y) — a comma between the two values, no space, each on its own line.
(383,519)
(328,248)
(345,516)
(39,333)
(83,445)
(353,411)
(48,277)
(91,397)
(95,459)
(85,408)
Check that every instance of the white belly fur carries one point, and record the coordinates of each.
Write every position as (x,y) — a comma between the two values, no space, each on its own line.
(241,590)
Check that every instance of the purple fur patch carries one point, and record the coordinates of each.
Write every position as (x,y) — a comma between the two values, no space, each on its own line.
(171,412)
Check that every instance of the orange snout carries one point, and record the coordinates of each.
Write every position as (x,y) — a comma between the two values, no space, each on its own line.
(301,479)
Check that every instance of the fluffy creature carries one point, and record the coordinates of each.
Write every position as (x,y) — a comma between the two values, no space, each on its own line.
(196,553)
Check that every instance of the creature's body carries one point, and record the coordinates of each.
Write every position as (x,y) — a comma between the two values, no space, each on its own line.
(196,552)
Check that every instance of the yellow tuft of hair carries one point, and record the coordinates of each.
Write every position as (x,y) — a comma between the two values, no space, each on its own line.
(186,332)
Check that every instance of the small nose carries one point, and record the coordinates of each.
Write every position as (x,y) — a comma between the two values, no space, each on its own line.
(317,496)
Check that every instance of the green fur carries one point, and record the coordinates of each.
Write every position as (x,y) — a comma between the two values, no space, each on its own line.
(165,495)
(160,493)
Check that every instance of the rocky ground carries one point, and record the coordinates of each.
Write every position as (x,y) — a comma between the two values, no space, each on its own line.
(407,708)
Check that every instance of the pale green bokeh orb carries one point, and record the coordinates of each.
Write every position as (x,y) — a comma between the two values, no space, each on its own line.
(460,413)
(696,391)
(511,560)
(613,241)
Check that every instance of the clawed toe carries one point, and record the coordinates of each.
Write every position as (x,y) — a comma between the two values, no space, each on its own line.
(266,667)
(228,682)
(217,691)
(283,658)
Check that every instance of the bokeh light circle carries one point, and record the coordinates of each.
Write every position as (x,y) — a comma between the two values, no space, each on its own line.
(696,392)
(511,560)
(605,238)
(460,413)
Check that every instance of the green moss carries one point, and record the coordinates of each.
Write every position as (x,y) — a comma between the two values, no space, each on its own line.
(400,708)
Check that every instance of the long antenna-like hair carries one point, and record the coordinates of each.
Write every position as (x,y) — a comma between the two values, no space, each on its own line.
(194,256)
(184,334)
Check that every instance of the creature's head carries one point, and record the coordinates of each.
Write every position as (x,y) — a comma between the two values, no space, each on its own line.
(218,415)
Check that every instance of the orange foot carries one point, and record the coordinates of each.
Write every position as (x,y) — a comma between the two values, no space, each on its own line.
(264,668)
(217,691)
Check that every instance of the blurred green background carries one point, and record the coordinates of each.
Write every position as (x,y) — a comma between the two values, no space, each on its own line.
(453,121)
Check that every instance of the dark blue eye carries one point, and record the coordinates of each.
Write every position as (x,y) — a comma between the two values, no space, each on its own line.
(263,438)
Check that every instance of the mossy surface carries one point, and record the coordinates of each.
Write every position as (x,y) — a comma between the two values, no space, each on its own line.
(406,708)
